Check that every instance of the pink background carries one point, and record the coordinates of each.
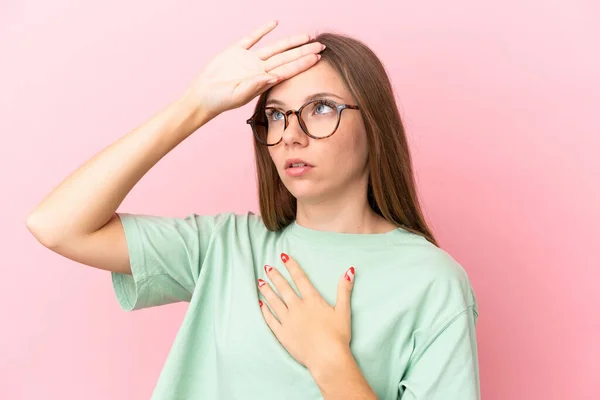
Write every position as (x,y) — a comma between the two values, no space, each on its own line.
(500,101)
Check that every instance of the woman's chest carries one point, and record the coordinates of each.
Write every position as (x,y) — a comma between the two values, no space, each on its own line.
(248,351)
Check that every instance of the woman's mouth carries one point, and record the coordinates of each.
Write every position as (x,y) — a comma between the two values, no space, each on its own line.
(297,169)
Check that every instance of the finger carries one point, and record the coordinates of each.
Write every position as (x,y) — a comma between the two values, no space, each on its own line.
(251,39)
(281,45)
(288,70)
(270,319)
(304,285)
(272,298)
(283,287)
(344,293)
(292,55)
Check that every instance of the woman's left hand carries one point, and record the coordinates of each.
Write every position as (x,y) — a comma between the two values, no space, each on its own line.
(311,330)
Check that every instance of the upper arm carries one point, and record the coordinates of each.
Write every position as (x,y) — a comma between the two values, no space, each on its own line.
(166,255)
(445,366)
(104,249)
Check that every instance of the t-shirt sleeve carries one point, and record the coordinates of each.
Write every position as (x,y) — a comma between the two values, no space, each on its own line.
(445,366)
(166,256)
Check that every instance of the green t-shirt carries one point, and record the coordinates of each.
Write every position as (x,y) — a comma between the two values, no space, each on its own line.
(413,308)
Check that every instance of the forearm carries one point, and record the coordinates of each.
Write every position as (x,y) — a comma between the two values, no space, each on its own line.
(341,378)
(86,199)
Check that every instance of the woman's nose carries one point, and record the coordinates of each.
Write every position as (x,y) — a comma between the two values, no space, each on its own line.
(294,133)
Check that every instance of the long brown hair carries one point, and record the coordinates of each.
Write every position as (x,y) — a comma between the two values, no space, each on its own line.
(391,189)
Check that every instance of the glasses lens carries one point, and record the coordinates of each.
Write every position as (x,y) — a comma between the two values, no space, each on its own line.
(320,117)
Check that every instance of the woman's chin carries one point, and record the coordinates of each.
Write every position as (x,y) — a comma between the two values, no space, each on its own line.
(308,190)
(304,192)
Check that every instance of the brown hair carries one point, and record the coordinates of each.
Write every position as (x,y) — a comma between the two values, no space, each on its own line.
(391,190)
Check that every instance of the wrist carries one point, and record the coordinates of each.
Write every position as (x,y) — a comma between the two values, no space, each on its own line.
(197,114)
(331,362)
(337,373)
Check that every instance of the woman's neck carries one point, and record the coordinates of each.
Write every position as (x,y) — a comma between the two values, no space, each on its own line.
(342,217)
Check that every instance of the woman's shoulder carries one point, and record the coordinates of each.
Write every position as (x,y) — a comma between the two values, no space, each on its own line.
(430,265)
(445,274)
(435,260)
(239,222)
(441,263)
(245,218)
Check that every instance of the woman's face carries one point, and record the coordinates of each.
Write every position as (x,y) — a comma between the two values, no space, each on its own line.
(339,162)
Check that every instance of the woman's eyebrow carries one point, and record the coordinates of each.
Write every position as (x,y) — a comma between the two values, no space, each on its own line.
(311,97)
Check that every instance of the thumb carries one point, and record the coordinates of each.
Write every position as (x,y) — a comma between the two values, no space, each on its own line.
(260,83)
(270,79)
(252,87)
(344,292)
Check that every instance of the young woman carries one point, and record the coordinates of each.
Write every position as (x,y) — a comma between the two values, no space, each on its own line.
(270,312)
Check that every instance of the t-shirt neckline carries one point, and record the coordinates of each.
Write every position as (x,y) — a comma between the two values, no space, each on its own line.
(329,238)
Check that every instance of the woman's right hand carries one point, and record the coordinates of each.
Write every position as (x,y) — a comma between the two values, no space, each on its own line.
(238,74)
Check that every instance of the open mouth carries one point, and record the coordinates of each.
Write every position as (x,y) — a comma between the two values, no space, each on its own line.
(298,165)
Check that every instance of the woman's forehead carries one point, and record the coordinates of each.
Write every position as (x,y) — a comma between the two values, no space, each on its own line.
(319,79)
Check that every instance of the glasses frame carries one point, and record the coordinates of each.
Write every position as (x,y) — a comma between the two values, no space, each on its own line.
(253,121)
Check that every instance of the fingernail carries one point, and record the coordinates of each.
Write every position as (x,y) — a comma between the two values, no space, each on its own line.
(260,303)
(318,57)
(268,268)
(261,283)
(284,257)
(349,274)
(323,47)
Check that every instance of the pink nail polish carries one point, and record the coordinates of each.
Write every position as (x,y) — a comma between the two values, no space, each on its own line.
(268,268)
(349,274)
(261,283)
(284,257)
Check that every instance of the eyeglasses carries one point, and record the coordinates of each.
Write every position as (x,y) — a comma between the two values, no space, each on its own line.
(319,119)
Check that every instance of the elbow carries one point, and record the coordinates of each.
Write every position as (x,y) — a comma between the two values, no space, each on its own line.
(41,234)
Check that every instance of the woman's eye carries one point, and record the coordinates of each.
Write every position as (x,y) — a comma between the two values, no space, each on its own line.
(275,115)
(323,108)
